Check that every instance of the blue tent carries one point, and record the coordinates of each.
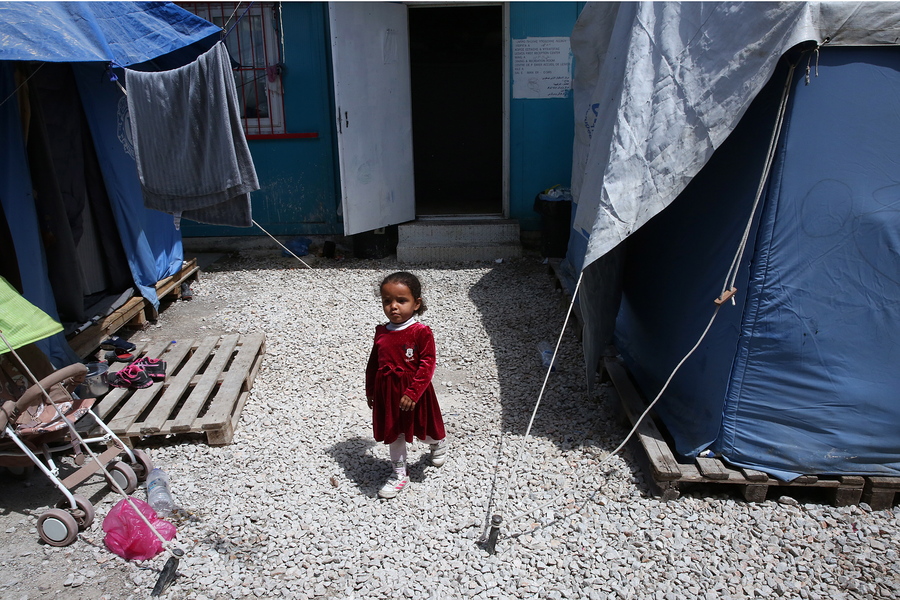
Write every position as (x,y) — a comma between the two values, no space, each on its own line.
(69,190)
(800,376)
(676,109)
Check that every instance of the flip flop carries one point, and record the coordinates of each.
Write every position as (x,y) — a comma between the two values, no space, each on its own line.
(118,356)
(117,344)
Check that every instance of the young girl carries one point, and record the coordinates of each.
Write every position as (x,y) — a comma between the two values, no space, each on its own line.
(398,379)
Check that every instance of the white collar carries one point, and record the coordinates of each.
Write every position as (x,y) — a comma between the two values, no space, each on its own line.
(398,326)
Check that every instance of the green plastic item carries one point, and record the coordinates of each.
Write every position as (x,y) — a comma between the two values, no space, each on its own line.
(21,322)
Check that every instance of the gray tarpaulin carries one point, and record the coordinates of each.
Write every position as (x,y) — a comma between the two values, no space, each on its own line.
(658,87)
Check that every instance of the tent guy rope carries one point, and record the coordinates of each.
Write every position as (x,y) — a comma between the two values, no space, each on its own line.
(728,292)
(305,264)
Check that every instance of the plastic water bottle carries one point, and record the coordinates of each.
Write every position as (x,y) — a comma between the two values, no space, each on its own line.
(545,349)
(159,497)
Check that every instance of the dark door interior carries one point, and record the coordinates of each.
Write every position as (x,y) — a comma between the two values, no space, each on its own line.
(456,62)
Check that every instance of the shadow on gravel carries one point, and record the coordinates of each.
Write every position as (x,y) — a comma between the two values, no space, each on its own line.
(367,472)
(520,308)
(359,465)
(31,494)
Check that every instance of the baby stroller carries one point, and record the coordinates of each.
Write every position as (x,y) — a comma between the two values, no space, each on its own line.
(39,407)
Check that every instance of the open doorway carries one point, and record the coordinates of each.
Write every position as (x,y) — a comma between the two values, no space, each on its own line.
(456,64)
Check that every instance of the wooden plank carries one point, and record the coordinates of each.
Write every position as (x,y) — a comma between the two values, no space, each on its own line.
(850,491)
(888,483)
(158,349)
(173,283)
(751,475)
(220,437)
(224,435)
(810,481)
(879,492)
(236,417)
(236,382)
(174,354)
(138,322)
(805,480)
(176,387)
(187,414)
(711,468)
(123,314)
(650,447)
(690,473)
(88,340)
(122,396)
(755,492)
(664,464)
(109,402)
(132,409)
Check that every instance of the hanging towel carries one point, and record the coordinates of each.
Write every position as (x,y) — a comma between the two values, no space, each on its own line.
(191,153)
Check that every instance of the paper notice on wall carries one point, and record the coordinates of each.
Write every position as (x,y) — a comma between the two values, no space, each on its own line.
(542,67)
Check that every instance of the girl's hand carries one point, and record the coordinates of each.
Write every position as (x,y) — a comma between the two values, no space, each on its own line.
(407,403)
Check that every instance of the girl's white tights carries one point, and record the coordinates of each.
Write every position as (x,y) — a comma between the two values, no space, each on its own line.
(398,452)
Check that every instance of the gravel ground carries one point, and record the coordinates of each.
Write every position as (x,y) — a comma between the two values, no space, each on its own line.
(289,509)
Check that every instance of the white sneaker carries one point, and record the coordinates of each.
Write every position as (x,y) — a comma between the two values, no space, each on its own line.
(439,453)
(396,483)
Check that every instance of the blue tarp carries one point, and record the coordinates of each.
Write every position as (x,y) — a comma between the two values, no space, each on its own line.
(124,33)
(152,244)
(800,376)
(18,205)
(95,35)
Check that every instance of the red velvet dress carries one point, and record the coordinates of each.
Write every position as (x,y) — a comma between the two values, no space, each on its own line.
(402,363)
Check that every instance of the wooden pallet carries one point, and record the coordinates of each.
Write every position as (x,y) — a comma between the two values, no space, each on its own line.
(671,475)
(134,313)
(207,384)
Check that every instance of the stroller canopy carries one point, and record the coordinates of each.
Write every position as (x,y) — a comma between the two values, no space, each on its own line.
(21,322)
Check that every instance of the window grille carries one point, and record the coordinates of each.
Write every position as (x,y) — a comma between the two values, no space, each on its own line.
(254,46)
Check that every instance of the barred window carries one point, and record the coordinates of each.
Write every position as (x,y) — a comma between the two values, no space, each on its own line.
(254,45)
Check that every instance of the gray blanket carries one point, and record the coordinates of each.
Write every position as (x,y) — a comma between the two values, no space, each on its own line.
(191,153)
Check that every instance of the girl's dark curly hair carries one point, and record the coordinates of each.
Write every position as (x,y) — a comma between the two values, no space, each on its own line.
(410,281)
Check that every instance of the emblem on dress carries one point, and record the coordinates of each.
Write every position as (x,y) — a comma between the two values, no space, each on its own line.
(409,352)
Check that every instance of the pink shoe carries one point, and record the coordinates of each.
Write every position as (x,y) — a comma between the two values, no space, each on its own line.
(154,367)
(132,376)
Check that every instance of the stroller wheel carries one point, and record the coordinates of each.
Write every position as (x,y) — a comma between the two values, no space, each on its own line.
(142,465)
(124,475)
(57,527)
(84,516)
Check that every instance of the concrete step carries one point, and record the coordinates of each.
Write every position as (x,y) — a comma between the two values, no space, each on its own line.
(458,240)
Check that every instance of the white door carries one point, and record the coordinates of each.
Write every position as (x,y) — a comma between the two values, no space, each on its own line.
(370,57)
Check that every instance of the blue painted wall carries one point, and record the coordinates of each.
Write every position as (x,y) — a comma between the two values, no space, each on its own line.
(299,177)
(541,130)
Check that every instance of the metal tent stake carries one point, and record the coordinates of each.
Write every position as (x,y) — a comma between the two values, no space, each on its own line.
(492,536)
(168,572)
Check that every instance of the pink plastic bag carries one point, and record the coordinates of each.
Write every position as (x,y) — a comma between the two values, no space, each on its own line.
(129,537)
